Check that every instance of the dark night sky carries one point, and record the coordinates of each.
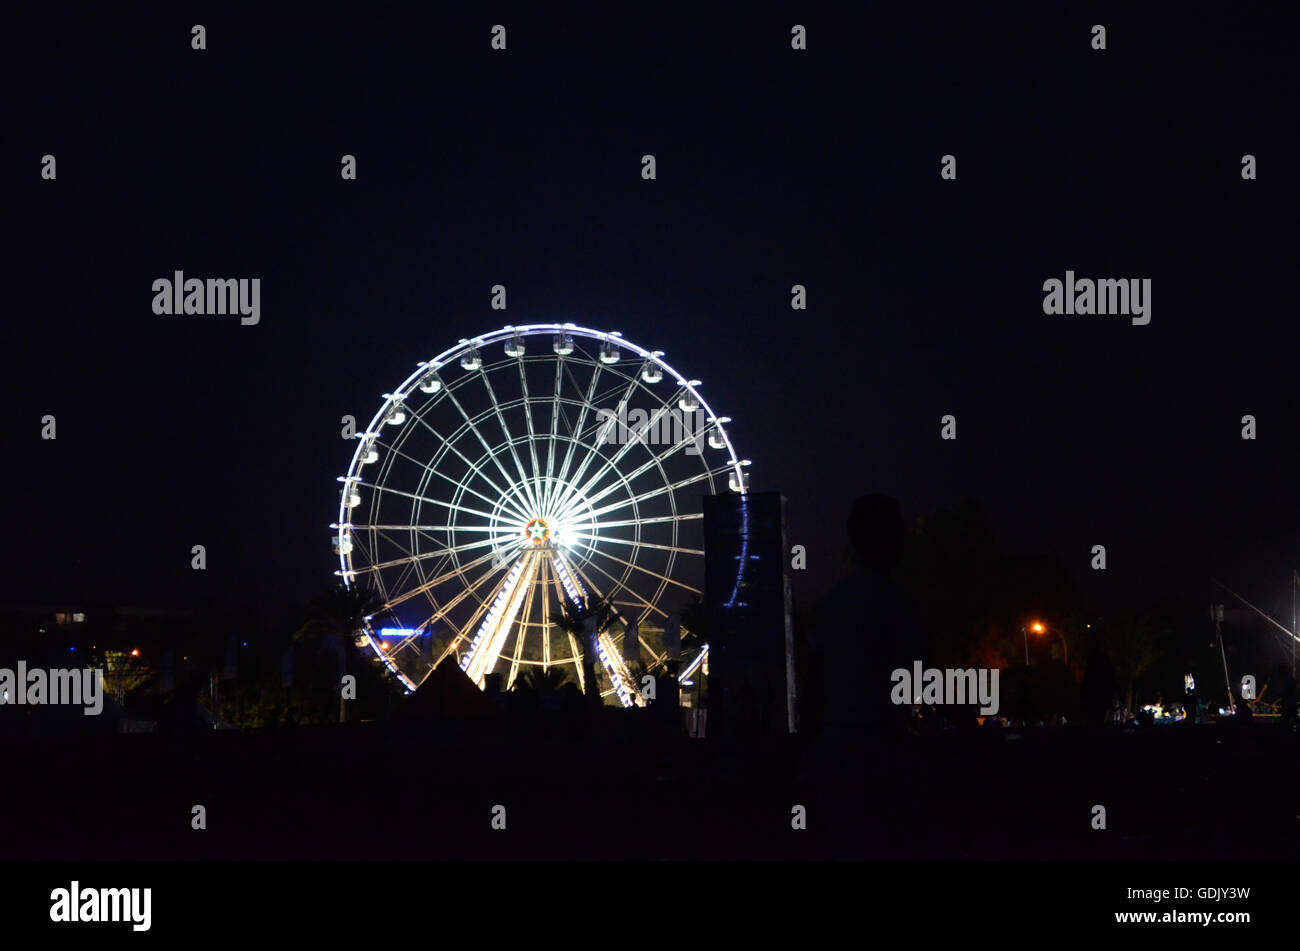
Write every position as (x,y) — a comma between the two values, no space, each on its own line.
(774,168)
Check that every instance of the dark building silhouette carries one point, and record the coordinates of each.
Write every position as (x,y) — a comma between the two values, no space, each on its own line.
(747,605)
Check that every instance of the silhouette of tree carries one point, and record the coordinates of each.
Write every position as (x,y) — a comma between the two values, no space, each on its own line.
(1131,645)
(695,623)
(333,621)
(574,619)
(542,680)
(342,611)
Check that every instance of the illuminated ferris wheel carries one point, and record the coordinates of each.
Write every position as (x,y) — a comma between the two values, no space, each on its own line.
(516,477)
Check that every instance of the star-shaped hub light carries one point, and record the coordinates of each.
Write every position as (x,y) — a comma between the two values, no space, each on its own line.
(537,531)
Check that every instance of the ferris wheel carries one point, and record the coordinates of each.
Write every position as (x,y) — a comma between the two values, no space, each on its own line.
(517,476)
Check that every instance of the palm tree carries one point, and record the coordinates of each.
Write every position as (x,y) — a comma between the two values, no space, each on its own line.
(541,680)
(344,609)
(578,621)
(695,622)
(335,617)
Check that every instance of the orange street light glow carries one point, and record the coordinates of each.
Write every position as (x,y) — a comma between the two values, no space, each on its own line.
(1036,627)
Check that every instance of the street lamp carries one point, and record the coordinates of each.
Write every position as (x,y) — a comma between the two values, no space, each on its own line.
(1038,628)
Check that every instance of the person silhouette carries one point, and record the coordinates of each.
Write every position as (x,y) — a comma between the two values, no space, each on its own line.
(862,632)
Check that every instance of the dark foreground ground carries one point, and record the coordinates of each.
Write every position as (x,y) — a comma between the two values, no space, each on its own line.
(421,791)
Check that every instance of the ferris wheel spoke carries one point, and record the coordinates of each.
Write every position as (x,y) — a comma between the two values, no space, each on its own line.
(443,578)
(359,542)
(539,488)
(654,574)
(625,478)
(546,616)
(583,400)
(555,428)
(426,528)
(638,544)
(575,571)
(491,453)
(483,603)
(653,424)
(653,493)
(485,649)
(522,637)
(450,506)
(468,590)
(619,585)
(582,420)
(524,482)
(440,550)
(449,444)
(649,520)
(458,483)
(572,493)
(656,657)
(441,553)
(471,590)
(601,429)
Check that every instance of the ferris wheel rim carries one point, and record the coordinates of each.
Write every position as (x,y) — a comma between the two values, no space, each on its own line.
(733,468)
(530,330)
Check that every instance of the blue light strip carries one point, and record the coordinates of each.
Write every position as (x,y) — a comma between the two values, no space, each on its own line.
(694,664)
(397,631)
(620,688)
(571,588)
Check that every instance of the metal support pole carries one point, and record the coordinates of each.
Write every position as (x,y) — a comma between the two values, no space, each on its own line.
(1217,611)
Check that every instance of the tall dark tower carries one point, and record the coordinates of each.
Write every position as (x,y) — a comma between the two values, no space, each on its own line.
(747,602)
